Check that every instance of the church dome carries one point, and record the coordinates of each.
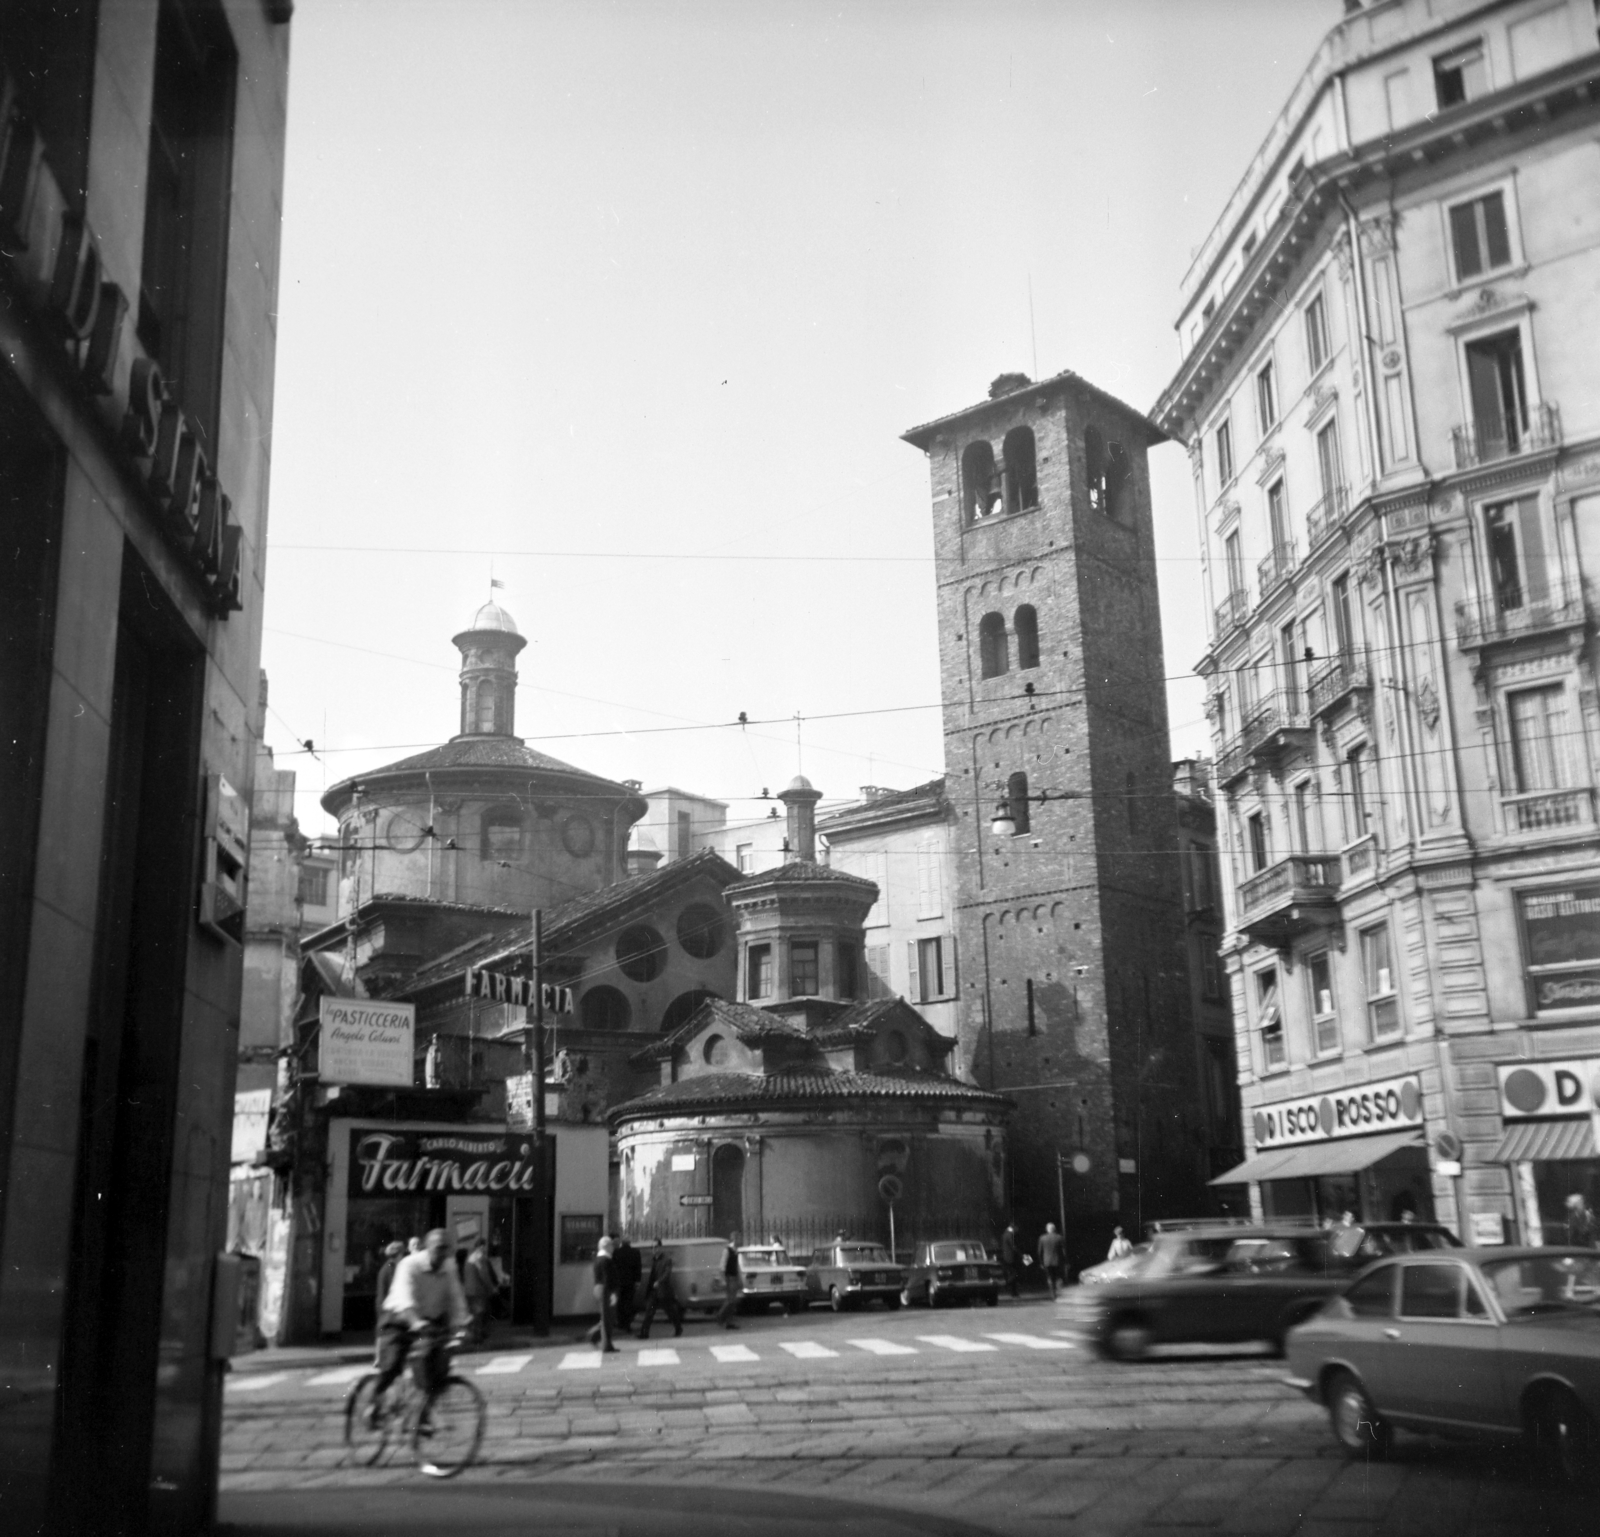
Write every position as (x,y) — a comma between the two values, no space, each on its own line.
(492,617)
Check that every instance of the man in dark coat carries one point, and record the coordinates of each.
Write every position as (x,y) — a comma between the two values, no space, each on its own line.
(1052,1256)
(605,1296)
(658,1292)
(732,1283)
(1011,1257)
(628,1267)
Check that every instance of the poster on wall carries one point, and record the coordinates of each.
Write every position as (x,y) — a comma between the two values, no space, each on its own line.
(580,1237)
(1561,936)
(367,1042)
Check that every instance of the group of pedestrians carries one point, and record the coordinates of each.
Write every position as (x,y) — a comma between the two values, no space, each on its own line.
(1050,1252)
(618,1272)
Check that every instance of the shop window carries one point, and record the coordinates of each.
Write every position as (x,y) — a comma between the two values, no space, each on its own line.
(1266,399)
(1480,240)
(994,649)
(1462,75)
(1017,803)
(701,930)
(641,953)
(1324,1018)
(1377,963)
(1518,568)
(1537,718)
(604,1008)
(1025,622)
(1021,476)
(187,185)
(1316,324)
(1224,439)
(1499,397)
(758,971)
(980,490)
(803,977)
(1561,946)
(502,833)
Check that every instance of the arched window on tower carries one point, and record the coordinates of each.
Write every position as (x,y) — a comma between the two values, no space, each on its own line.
(1017,801)
(993,658)
(1118,468)
(1025,624)
(1021,476)
(1094,466)
(484,717)
(980,491)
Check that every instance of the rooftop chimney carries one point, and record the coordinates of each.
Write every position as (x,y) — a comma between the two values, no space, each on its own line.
(801,800)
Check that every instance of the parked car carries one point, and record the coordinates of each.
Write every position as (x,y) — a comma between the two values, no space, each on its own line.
(952,1270)
(1375,1240)
(697,1272)
(1211,1285)
(1493,1342)
(847,1272)
(1114,1269)
(770,1276)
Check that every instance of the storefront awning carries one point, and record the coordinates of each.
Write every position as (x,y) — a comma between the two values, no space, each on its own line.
(1538,1141)
(1349,1155)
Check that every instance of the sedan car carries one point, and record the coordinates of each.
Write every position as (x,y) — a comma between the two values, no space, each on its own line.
(770,1276)
(1114,1269)
(1375,1240)
(1225,1285)
(847,1273)
(1493,1342)
(952,1270)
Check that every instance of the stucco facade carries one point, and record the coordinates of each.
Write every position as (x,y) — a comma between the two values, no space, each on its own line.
(1393,414)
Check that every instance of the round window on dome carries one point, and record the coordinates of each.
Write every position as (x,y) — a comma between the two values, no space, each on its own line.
(715,1051)
(577,836)
(701,930)
(641,953)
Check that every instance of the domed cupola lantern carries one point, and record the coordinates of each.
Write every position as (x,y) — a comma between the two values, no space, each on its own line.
(489,647)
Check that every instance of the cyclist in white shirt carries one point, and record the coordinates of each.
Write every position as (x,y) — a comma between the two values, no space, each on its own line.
(424,1296)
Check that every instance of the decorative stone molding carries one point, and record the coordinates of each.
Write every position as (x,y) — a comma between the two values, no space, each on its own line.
(1378,234)
(1580,472)
(1341,257)
(1428,703)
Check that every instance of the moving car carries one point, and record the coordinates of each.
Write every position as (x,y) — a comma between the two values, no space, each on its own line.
(952,1270)
(1223,1285)
(1114,1269)
(848,1272)
(1375,1240)
(696,1272)
(770,1276)
(1491,1342)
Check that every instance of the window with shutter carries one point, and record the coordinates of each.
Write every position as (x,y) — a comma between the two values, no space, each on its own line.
(913,973)
(930,881)
(878,984)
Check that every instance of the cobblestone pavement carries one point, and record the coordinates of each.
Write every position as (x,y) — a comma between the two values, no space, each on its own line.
(993,1420)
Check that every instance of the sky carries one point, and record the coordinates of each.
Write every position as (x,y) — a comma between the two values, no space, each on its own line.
(626,305)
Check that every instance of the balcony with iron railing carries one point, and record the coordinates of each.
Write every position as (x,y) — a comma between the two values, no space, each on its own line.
(1232,610)
(1325,518)
(1544,811)
(1273,568)
(1270,730)
(1492,438)
(1361,860)
(1290,897)
(1334,681)
(1520,609)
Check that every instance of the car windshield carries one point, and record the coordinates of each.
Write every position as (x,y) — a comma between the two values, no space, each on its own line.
(863,1254)
(765,1256)
(1185,1254)
(1544,1283)
(956,1253)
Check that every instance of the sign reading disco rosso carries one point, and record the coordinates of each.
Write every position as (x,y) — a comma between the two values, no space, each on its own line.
(389,1163)
(1391,1104)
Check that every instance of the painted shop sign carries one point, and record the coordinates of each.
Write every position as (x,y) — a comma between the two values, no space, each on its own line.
(1391,1104)
(390,1163)
(502,987)
(364,1042)
(1561,934)
(1547,1090)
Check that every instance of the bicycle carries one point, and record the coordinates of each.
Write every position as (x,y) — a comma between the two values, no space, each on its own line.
(443,1432)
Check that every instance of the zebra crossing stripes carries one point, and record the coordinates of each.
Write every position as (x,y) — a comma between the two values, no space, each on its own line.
(256,1381)
(808,1350)
(883,1347)
(503,1366)
(579,1361)
(955,1342)
(1029,1341)
(728,1353)
(339,1376)
(666,1356)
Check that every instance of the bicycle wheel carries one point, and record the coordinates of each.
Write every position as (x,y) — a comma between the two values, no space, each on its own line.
(366,1440)
(447,1433)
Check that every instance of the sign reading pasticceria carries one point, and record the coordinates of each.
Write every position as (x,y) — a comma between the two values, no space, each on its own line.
(395,1163)
(1391,1104)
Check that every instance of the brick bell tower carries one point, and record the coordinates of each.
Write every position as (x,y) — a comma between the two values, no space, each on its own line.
(1074,994)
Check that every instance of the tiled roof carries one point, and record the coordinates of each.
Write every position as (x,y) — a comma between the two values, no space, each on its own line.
(743,1020)
(890,804)
(769,1090)
(920,436)
(861,1019)
(803,872)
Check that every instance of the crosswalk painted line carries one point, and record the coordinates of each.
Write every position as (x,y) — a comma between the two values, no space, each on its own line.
(734,1353)
(955,1342)
(666,1356)
(503,1366)
(338,1376)
(883,1347)
(579,1361)
(256,1381)
(1029,1341)
(808,1350)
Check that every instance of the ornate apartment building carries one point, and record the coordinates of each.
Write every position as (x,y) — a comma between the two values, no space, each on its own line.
(1390,394)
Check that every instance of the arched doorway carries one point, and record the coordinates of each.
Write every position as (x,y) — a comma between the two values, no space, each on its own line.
(727,1190)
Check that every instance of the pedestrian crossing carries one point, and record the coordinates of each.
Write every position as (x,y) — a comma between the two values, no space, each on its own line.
(665,1356)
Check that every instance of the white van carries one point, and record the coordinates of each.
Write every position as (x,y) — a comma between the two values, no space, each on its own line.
(696,1271)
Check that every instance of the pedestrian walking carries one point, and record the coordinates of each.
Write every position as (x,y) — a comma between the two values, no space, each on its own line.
(481,1285)
(1120,1247)
(392,1255)
(1580,1222)
(1011,1258)
(658,1292)
(605,1297)
(732,1284)
(629,1268)
(1052,1257)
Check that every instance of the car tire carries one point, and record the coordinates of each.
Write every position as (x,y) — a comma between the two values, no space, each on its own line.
(836,1299)
(1357,1426)
(1563,1439)
(1129,1339)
